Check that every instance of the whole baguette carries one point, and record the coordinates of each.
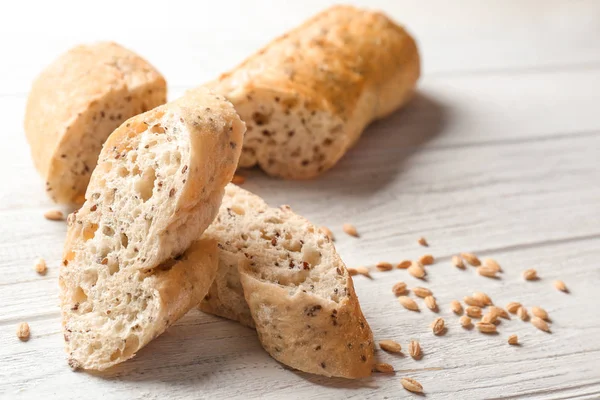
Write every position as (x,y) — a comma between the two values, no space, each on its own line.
(308,95)
(76,102)
(280,274)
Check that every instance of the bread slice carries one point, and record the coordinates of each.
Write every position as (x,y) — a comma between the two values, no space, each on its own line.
(298,293)
(108,318)
(76,102)
(308,95)
(158,185)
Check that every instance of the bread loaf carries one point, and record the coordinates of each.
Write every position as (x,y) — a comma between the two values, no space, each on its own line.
(308,95)
(158,184)
(297,291)
(76,102)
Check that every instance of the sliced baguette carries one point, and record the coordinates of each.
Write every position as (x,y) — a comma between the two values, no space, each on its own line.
(157,186)
(76,102)
(108,318)
(297,291)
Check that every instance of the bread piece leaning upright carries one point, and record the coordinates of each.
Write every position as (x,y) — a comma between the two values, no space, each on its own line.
(158,184)
(308,95)
(76,102)
(298,294)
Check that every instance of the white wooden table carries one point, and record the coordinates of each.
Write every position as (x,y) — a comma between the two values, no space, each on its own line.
(498,154)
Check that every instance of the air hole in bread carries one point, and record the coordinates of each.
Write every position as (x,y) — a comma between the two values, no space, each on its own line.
(108,231)
(136,170)
(79,295)
(244,236)
(157,129)
(115,354)
(145,184)
(89,230)
(90,277)
(123,172)
(238,210)
(311,256)
(273,220)
(131,345)
(124,240)
(260,118)
(293,245)
(113,267)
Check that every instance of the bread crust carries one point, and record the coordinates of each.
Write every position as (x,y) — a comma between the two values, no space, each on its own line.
(298,294)
(308,95)
(76,102)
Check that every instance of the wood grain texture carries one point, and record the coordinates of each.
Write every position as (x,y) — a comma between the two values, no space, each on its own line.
(498,154)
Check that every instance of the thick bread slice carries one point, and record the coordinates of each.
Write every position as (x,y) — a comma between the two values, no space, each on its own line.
(298,293)
(108,317)
(158,184)
(76,102)
(308,95)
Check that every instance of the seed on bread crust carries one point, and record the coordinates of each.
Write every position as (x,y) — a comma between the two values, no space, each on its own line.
(54,215)
(350,230)
(390,346)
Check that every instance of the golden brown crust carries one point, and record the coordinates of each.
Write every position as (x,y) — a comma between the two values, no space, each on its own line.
(76,102)
(345,67)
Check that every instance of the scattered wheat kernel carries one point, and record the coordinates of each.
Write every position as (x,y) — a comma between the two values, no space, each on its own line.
(560,285)
(473,311)
(465,321)
(540,324)
(471,259)
(411,385)
(40,266)
(522,313)
(404,264)
(54,215)
(471,301)
(487,272)
(23,331)
(384,266)
(438,326)
(426,259)
(414,349)
(513,307)
(489,318)
(423,242)
(399,288)
(499,312)
(416,270)
(458,262)
(350,230)
(513,340)
(486,327)
(539,312)
(408,303)
(491,263)
(390,346)
(431,303)
(421,292)
(456,307)
(352,271)
(327,232)
(238,179)
(483,298)
(384,367)
(363,271)
(530,274)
